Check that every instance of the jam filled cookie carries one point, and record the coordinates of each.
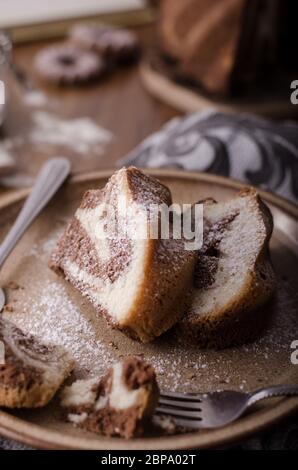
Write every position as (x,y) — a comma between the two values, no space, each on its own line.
(67,65)
(118,45)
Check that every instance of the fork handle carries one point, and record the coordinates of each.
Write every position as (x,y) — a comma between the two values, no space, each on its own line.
(275,391)
(48,181)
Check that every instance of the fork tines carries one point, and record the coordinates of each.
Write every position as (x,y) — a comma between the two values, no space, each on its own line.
(184,408)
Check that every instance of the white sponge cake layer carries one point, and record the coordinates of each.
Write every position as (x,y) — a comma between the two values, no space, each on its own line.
(239,249)
(101,291)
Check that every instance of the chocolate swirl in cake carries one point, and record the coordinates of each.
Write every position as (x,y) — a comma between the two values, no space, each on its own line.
(208,255)
(112,254)
(31,371)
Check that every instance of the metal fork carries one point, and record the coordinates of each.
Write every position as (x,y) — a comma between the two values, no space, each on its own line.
(215,409)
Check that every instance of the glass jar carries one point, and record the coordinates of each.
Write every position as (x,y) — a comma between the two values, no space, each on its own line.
(5,53)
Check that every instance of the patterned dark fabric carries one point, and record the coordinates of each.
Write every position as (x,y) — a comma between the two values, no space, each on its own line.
(248,148)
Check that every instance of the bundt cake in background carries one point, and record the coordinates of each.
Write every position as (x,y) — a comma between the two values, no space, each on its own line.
(230,46)
(203,36)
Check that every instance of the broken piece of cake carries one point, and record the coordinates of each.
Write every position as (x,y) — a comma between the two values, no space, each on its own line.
(136,281)
(30,372)
(118,404)
(234,276)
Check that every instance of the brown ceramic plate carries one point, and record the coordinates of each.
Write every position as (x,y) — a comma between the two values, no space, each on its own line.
(49,307)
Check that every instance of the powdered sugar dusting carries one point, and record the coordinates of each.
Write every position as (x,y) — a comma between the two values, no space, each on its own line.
(55,315)
(55,319)
(52,310)
(6,158)
(35,99)
(80,134)
(45,247)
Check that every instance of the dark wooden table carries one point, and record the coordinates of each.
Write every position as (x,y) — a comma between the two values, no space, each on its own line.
(119,103)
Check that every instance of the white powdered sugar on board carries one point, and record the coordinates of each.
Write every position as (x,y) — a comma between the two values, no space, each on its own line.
(35,98)
(45,247)
(47,132)
(6,158)
(80,134)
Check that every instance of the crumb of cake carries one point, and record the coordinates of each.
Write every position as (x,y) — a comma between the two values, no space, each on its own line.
(120,403)
(13,286)
(165,425)
(8,308)
(190,375)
